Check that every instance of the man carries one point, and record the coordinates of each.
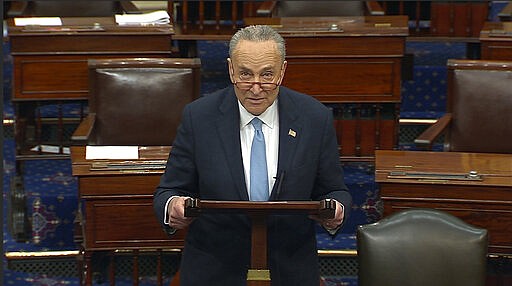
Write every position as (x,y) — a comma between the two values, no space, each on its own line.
(211,159)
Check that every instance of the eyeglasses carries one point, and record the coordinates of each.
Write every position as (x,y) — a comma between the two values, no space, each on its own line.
(246,85)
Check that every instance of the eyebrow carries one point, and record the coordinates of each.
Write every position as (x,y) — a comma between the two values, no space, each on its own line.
(264,69)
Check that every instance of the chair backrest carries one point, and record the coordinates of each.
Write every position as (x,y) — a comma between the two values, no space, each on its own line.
(480,100)
(320,8)
(419,247)
(140,101)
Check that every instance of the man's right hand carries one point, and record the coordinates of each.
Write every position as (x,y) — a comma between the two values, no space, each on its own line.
(176,212)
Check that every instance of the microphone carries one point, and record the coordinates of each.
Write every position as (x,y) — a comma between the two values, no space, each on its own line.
(280,179)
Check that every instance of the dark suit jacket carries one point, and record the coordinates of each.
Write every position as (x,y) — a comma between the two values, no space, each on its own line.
(206,163)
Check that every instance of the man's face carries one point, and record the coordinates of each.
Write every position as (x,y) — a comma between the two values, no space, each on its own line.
(257,70)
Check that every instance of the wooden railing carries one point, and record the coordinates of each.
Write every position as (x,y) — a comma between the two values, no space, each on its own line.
(219,19)
(441,18)
(209,19)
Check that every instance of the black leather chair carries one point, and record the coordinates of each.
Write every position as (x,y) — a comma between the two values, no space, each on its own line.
(135,101)
(420,247)
(479,108)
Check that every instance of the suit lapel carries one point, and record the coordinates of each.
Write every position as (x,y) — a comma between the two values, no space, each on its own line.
(290,130)
(228,127)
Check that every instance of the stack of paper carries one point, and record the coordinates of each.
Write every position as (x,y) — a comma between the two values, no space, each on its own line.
(39,21)
(152,18)
(111,152)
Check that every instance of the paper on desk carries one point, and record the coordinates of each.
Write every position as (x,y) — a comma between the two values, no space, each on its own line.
(111,152)
(156,18)
(41,21)
(50,149)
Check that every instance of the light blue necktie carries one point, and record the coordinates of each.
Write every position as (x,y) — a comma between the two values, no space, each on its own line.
(259,178)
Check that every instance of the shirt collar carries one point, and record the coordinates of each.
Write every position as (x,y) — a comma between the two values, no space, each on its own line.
(268,117)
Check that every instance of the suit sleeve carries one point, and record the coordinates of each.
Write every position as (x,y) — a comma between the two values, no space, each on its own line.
(180,176)
(329,181)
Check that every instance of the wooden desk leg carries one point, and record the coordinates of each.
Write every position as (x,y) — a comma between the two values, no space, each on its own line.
(159,268)
(88,268)
(259,274)
(80,266)
(112,268)
(135,268)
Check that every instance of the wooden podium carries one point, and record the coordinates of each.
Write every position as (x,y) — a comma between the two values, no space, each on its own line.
(259,274)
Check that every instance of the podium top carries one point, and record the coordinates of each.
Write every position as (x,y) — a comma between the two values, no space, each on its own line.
(324,208)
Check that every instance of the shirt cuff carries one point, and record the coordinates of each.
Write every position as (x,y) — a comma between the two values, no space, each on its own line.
(166,213)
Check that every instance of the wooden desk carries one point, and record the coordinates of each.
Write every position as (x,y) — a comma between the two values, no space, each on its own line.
(484,202)
(51,62)
(50,66)
(496,41)
(117,204)
(353,64)
(357,60)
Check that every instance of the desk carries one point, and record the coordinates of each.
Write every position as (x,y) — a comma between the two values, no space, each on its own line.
(496,41)
(343,59)
(50,63)
(484,201)
(116,210)
(354,64)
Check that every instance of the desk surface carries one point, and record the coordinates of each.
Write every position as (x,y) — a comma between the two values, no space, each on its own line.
(495,169)
(155,155)
(496,31)
(86,26)
(355,26)
(91,36)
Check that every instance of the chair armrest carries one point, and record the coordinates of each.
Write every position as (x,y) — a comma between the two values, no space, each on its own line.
(374,8)
(428,136)
(506,13)
(129,8)
(84,129)
(266,8)
(17,8)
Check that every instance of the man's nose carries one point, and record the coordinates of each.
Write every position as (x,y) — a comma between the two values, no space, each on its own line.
(256,87)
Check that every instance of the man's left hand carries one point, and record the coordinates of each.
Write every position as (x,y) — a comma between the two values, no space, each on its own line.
(334,223)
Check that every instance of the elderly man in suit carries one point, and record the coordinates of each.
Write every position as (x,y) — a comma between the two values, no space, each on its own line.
(212,159)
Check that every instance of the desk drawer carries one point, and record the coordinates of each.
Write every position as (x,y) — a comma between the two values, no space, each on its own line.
(345,80)
(481,206)
(125,223)
(42,77)
(349,46)
(497,50)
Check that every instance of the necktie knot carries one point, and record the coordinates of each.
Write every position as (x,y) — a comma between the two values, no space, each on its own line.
(256,123)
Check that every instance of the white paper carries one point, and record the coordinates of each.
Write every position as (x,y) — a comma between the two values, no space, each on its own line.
(157,18)
(111,152)
(50,149)
(41,21)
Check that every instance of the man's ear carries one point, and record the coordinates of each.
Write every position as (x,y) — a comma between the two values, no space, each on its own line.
(231,71)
